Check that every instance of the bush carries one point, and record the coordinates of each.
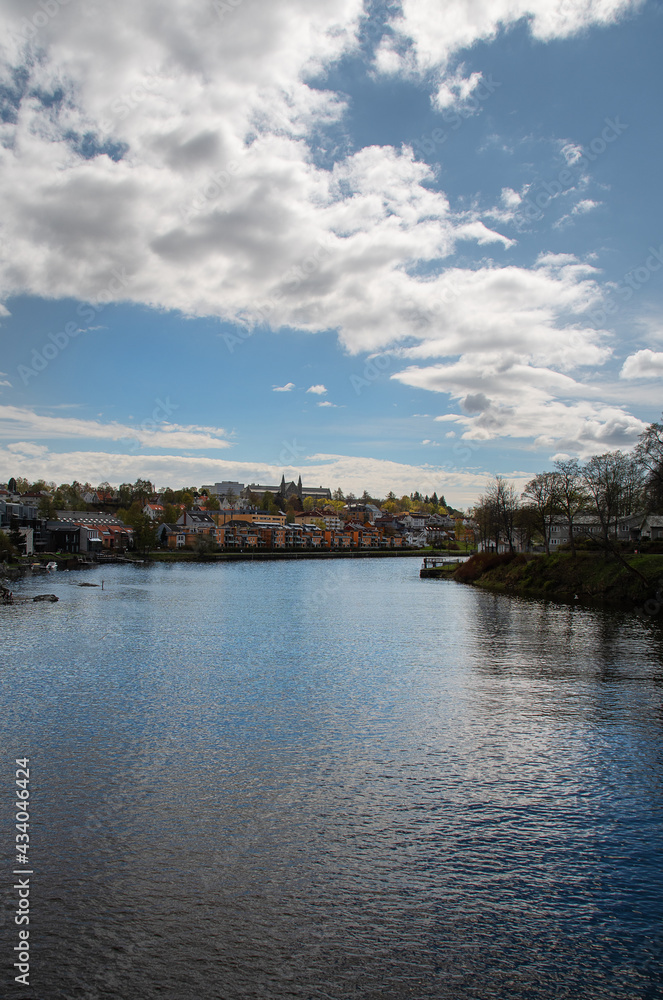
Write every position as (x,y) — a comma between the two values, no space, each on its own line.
(481,563)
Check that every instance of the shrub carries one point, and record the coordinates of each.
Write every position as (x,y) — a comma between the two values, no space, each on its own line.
(481,563)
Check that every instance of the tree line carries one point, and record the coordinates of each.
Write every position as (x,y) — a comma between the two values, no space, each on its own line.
(607,487)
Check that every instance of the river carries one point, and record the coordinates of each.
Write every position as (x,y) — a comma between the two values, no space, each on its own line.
(331,780)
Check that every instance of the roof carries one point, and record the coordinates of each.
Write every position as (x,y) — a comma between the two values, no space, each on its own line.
(88,517)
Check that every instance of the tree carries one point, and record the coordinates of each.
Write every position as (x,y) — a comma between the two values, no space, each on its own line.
(47,508)
(502,497)
(125,494)
(570,495)
(366,497)
(649,455)
(7,549)
(338,494)
(309,504)
(613,482)
(169,514)
(142,490)
(540,496)
(212,502)
(145,530)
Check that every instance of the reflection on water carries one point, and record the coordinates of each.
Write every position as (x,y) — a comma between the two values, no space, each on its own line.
(335,780)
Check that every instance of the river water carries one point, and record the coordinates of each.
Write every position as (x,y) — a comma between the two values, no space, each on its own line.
(331,780)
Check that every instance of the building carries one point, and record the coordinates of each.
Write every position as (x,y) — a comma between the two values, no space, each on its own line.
(585,526)
(224,489)
(286,490)
(101,531)
(153,511)
(251,516)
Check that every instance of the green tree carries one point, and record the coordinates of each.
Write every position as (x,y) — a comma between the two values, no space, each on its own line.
(47,508)
(169,514)
(8,550)
(145,530)
(125,495)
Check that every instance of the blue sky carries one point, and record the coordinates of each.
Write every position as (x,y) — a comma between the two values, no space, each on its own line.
(405,245)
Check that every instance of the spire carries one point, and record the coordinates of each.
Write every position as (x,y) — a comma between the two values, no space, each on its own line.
(299,487)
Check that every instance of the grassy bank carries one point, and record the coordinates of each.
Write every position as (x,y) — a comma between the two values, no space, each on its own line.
(591,574)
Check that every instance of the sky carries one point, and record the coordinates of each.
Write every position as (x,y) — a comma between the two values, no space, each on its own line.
(384,245)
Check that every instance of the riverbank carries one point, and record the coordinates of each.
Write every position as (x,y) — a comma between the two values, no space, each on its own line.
(559,576)
(77,561)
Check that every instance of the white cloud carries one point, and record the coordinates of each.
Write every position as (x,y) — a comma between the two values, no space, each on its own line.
(150,433)
(643,364)
(176,170)
(288,387)
(502,397)
(455,91)
(319,390)
(581,208)
(327,403)
(438,31)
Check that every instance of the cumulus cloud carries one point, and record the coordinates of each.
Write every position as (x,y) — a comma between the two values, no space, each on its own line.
(437,31)
(319,390)
(161,154)
(288,387)
(643,364)
(505,397)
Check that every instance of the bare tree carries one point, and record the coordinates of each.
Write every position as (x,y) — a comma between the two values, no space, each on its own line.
(501,498)
(649,455)
(540,496)
(570,494)
(614,484)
